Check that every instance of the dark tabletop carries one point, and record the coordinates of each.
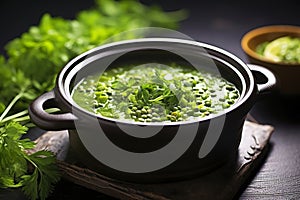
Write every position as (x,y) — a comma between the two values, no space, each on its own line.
(221,23)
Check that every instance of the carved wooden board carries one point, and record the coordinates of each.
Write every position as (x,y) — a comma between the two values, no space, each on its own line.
(223,183)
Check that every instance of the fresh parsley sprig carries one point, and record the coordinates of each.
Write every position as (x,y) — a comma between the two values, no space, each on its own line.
(35,173)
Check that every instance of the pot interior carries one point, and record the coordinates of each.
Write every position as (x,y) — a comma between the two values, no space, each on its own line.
(207,58)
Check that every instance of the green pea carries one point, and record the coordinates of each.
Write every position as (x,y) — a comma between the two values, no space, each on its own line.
(134,108)
(155,114)
(206,113)
(173,119)
(225,105)
(144,111)
(204,96)
(132,112)
(230,101)
(138,112)
(233,96)
(144,116)
(207,103)
(203,109)
(141,119)
(229,87)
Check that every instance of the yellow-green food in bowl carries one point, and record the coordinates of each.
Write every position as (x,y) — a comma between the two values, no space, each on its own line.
(155,92)
(283,49)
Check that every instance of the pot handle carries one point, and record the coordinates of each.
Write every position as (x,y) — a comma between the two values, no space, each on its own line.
(46,120)
(265,76)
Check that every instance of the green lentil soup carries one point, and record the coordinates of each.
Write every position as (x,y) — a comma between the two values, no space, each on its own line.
(155,93)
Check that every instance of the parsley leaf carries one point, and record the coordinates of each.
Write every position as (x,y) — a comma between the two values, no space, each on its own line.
(16,165)
(41,182)
(35,173)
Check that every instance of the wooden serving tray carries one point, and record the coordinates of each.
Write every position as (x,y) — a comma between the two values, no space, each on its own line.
(222,183)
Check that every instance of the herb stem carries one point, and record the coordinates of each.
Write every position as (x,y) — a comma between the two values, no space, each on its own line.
(31,162)
(15,116)
(157,99)
(11,104)
(22,119)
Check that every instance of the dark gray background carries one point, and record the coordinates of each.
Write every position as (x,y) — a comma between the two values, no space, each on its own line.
(221,23)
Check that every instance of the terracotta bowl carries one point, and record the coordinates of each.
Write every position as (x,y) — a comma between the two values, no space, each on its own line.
(287,74)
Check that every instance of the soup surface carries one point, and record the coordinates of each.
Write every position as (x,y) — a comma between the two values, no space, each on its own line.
(155,93)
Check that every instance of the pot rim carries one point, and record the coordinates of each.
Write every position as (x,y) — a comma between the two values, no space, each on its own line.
(66,95)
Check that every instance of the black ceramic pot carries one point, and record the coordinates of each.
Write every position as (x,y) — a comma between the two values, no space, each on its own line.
(152,152)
